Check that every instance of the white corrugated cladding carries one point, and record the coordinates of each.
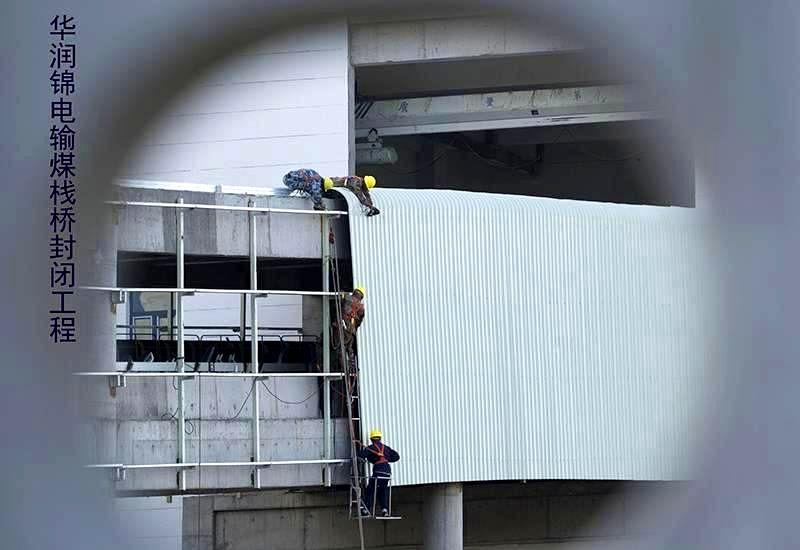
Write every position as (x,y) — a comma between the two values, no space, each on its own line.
(511,337)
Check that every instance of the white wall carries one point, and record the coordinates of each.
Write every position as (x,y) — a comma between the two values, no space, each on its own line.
(284,103)
(281,104)
(225,309)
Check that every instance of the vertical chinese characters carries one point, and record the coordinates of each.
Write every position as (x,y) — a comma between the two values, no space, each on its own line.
(62,175)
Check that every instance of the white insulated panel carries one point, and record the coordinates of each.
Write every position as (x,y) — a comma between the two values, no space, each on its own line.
(511,337)
(278,105)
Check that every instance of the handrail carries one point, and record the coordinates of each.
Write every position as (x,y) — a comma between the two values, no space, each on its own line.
(190,465)
(213,374)
(258,293)
(228,208)
(234,328)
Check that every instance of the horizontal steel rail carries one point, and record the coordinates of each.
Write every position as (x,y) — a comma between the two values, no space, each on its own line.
(190,465)
(227,208)
(257,375)
(258,293)
(234,328)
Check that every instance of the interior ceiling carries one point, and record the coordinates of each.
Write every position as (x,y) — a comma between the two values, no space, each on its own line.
(403,80)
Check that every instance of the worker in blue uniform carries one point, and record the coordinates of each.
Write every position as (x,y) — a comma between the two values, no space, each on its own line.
(379,455)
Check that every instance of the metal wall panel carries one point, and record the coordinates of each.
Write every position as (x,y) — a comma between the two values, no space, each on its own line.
(511,337)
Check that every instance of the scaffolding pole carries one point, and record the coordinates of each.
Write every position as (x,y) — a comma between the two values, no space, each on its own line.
(326,353)
(254,346)
(242,326)
(179,251)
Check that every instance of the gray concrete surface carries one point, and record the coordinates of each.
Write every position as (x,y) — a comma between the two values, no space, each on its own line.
(209,232)
(536,515)
(136,427)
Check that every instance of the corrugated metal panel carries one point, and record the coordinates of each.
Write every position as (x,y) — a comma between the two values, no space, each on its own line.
(511,337)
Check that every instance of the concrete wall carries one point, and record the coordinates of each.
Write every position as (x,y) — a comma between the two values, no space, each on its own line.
(136,426)
(281,104)
(225,310)
(149,523)
(209,232)
(538,515)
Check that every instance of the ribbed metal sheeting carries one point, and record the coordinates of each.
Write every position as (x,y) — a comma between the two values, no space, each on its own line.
(511,338)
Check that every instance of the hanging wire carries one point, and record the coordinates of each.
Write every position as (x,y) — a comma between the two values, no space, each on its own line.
(315,392)
(174,414)
(582,149)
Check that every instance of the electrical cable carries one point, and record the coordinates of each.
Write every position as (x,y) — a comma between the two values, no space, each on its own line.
(173,415)
(315,392)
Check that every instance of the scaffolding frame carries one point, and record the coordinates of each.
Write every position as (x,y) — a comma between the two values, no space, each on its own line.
(118,379)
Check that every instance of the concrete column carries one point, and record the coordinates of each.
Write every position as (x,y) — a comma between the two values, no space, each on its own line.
(443,518)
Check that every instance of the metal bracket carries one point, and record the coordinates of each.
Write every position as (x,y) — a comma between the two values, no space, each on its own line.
(119,473)
(116,381)
(119,296)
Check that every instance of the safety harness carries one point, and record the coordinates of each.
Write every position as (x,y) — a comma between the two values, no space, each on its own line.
(379,453)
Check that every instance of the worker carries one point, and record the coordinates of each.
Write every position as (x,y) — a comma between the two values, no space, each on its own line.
(379,455)
(353,309)
(352,317)
(307,181)
(360,188)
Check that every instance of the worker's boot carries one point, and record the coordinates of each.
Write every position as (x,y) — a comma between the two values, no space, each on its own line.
(373,212)
(385,513)
(319,206)
(364,511)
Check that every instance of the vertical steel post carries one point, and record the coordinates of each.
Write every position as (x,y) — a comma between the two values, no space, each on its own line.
(242,327)
(254,347)
(179,253)
(326,347)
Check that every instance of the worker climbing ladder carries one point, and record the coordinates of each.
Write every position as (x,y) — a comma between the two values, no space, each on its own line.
(349,365)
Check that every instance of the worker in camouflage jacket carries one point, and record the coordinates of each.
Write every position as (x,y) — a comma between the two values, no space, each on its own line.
(352,317)
(360,188)
(307,181)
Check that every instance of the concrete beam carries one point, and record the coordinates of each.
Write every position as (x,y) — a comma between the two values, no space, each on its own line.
(475,75)
(556,106)
(453,38)
(209,232)
(580,133)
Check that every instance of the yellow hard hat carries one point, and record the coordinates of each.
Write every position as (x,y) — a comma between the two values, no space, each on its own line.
(328,183)
(375,433)
(370,181)
(362,290)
